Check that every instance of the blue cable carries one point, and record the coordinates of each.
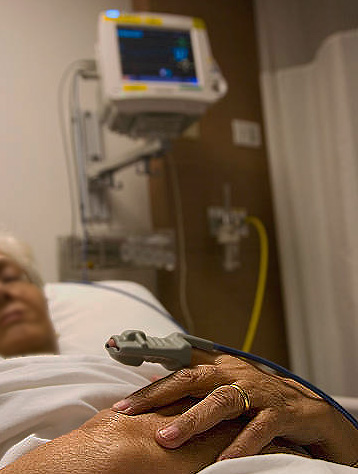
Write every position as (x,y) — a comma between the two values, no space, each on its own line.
(238,353)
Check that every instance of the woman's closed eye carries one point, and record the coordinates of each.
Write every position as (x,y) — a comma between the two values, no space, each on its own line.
(11,275)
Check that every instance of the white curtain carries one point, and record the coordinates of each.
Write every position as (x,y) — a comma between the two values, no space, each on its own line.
(310,95)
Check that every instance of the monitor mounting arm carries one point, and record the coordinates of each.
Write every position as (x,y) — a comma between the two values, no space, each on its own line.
(95,177)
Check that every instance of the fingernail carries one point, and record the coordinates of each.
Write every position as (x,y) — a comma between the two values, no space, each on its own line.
(123,405)
(170,432)
(222,458)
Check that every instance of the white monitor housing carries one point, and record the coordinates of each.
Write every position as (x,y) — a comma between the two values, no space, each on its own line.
(157,73)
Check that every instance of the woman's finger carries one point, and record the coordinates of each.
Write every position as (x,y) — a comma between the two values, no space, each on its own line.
(224,403)
(257,434)
(196,382)
(203,357)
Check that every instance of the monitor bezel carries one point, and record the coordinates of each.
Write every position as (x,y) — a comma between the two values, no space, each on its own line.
(112,75)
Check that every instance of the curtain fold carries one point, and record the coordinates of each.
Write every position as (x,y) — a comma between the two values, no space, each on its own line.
(311,120)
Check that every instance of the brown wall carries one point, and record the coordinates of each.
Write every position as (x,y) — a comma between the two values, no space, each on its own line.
(220,302)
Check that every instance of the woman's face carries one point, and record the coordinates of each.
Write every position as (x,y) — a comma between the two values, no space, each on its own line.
(25,325)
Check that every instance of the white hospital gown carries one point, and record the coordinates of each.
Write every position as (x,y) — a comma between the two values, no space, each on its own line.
(45,396)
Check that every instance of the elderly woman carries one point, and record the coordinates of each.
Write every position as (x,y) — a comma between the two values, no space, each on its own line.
(271,414)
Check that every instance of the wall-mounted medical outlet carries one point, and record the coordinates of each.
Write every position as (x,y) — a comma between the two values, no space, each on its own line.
(228,225)
(246,133)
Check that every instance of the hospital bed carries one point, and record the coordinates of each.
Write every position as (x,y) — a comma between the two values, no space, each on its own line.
(84,379)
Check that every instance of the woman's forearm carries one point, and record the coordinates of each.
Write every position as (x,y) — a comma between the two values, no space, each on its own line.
(72,453)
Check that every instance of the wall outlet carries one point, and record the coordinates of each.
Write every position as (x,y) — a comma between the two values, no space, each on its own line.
(246,133)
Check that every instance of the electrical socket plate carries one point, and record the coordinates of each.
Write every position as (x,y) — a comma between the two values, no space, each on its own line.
(246,133)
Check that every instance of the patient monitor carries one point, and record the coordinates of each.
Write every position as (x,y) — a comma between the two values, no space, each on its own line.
(156,77)
(157,73)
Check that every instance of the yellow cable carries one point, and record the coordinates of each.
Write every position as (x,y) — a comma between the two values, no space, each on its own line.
(261,282)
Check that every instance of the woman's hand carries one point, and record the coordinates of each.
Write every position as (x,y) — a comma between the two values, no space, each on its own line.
(279,407)
(129,443)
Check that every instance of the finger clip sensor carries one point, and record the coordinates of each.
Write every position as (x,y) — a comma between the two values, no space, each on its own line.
(173,352)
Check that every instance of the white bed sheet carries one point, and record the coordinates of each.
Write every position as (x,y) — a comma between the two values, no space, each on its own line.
(45,396)
(276,464)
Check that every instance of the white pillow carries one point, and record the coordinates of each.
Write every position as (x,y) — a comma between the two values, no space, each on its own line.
(86,315)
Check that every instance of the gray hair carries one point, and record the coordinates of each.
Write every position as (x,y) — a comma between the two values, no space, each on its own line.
(21,253)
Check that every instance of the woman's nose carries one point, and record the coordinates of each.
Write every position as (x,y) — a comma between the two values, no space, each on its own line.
(5,293)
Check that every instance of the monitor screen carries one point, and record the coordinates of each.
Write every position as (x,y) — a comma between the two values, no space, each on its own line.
(149,54)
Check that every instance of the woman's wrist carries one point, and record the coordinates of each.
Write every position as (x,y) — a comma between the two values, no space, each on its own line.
(72,452)
(341,441)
